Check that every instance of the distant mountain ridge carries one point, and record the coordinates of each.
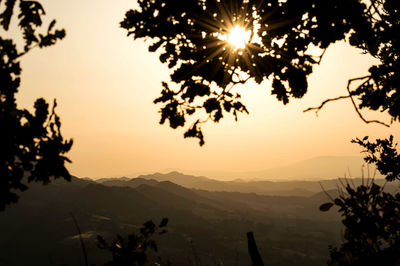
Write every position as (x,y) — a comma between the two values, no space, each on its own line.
(282,188)
(215,221)
(316,168)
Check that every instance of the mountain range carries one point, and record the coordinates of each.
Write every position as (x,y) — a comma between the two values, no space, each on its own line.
(262,187)
(208,220)
(316,168)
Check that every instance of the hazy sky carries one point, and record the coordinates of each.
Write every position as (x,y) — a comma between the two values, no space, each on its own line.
(105,84)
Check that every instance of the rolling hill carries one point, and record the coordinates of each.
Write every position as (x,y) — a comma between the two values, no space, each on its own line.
(316,168)
(204,225)
(281,188)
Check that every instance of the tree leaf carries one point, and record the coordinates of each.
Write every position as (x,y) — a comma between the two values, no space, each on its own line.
(325,207)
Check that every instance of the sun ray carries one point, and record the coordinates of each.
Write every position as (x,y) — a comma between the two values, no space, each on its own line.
(238,37)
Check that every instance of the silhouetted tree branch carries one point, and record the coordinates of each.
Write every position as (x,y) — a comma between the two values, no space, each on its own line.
(31,144)
(192,41)
(318,108)
(191,38)
(351,94)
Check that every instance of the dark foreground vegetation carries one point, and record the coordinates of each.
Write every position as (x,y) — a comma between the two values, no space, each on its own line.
(204,227)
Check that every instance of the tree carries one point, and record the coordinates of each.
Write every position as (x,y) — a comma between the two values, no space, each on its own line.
(134,249)
(31,144)
(192,38)
(371,226)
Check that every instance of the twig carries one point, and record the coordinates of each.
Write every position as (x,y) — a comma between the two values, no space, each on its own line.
(352,182)
(28,49)
(354,103)
(80,239)
(326,193)
(362,175)
(343,185)
(376,8)
(320,57)
(348,171)
(317,109)
(239,81)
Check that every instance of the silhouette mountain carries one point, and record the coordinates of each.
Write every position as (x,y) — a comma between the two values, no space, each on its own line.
(290,230)
(282,188)
(127,182)
(40,230)
(316,168)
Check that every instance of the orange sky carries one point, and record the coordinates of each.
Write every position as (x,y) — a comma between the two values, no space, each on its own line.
(105,84)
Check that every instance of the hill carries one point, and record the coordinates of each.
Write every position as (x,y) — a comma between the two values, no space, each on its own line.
(289,230)
(281,188)
(316,168)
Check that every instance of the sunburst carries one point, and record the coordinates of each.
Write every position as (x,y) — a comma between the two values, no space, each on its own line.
(228,37)
(238,37)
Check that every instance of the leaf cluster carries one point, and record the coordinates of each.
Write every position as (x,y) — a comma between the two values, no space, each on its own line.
(380,38)
(31,144)
(133,249)
(383,153)
(372,229)
(205,67)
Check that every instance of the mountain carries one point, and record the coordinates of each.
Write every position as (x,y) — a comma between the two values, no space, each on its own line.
(100,180)
(204,225)
(281,188)
(179,178)
(135,182)
(324,167)
(317,168)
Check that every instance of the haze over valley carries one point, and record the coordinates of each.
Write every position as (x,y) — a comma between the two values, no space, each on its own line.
(315,168)
(208,219)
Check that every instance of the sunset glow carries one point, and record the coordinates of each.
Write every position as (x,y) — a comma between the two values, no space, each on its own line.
(105,91)
(238,37)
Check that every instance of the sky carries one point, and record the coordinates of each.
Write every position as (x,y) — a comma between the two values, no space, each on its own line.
(105,83)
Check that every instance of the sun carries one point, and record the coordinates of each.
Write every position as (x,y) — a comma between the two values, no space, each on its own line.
(238,37)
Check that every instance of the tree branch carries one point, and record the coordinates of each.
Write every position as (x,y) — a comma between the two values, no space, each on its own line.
(354,103)
(368,78)
(318,108)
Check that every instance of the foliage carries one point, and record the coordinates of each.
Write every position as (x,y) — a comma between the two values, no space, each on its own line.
(384,154)
(133,249)
(380,89)
(191,39)
(381,39)
(31,144)
(372,226)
